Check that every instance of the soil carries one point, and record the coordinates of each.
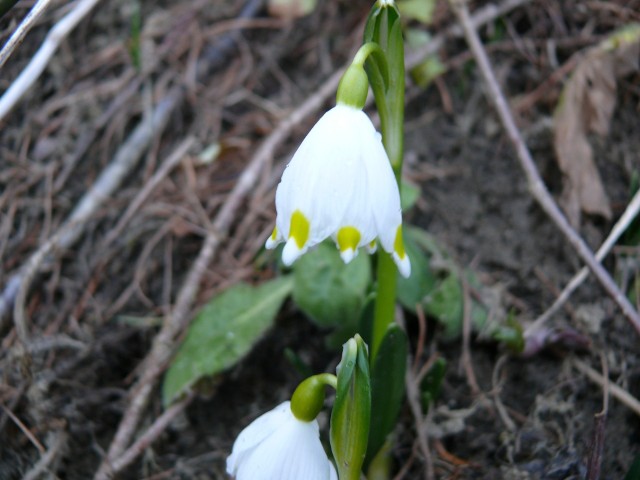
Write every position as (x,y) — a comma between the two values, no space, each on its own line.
(95,307)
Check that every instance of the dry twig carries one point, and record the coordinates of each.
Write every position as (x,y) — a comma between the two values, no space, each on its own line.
(27,24)
(630,213)
(536,185)
(619,393)
(40,60)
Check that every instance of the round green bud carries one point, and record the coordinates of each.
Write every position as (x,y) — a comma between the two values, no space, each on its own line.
(308,398)
(353,87)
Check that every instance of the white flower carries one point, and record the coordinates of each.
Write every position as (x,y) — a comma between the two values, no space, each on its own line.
(340,184)
(278,446)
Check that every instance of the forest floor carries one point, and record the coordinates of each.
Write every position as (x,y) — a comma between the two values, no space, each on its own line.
(192,95)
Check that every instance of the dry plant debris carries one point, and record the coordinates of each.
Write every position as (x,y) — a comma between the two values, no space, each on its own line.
(96,302)
(587,105)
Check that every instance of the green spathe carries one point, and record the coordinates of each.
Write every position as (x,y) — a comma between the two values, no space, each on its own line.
(351,413)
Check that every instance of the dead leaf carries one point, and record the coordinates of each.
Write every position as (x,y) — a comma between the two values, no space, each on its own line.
(587,105)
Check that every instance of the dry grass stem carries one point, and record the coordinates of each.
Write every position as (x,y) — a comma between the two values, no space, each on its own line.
(630,213)
(27,24)
(36,66)
(619,393)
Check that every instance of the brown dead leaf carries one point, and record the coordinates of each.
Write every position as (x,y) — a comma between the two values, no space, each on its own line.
(587,105)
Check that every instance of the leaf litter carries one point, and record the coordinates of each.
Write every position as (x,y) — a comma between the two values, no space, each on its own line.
(587,105)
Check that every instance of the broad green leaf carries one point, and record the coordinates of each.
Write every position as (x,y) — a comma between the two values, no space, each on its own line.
(427,71)
(223,332)
(328,291)
(289,9)
(413,290)
(409,194)
(445,303)
(387,387)
(420,10)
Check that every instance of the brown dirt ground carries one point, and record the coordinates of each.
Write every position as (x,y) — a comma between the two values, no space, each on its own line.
(108,298)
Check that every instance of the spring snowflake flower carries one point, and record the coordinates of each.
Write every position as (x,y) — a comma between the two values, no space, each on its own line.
(278,446)
(340,184)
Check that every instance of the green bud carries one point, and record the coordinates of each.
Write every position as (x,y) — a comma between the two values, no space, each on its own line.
(351,413)
(353,87)
(308,398)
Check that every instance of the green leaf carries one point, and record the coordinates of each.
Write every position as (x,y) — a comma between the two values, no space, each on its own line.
(328,291)
(428,70)
(445,303)
(409,195)
(387,387)
(420,10)
(432,383)
(634,470)
(223,332)
(351,414)
(413,290)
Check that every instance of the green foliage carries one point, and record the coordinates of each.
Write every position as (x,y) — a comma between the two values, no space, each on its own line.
(223,332)
(387,387)
(432,383)
(420,10)
(634,470)
(436,285)
(134,42)
(412,290)
(351,414)
(409,195)
(427,71)
(329,292)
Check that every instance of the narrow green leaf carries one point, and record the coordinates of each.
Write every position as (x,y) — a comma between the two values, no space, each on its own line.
(387,387)
(223,332)
(328,291)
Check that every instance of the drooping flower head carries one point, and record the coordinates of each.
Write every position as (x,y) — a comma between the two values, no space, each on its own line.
(340,184)
(278,446)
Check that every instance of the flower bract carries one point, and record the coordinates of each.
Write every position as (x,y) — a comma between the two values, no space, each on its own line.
(340,184)
(278,446)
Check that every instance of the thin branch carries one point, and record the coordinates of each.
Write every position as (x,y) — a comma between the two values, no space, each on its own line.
(536,185)
(40,60)
(57,445)
(27,24)
(630,213)
(152,433)
(619,393)
(123,163)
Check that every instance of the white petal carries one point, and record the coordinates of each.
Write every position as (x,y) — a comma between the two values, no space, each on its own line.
(293,452)
(291,252)
(403,264)
(319,180)
(261,428)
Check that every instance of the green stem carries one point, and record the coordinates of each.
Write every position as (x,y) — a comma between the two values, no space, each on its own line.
(384,311)
(390,105)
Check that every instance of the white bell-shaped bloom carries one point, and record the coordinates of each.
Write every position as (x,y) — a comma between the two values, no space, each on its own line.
(278,446)
(340,184)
